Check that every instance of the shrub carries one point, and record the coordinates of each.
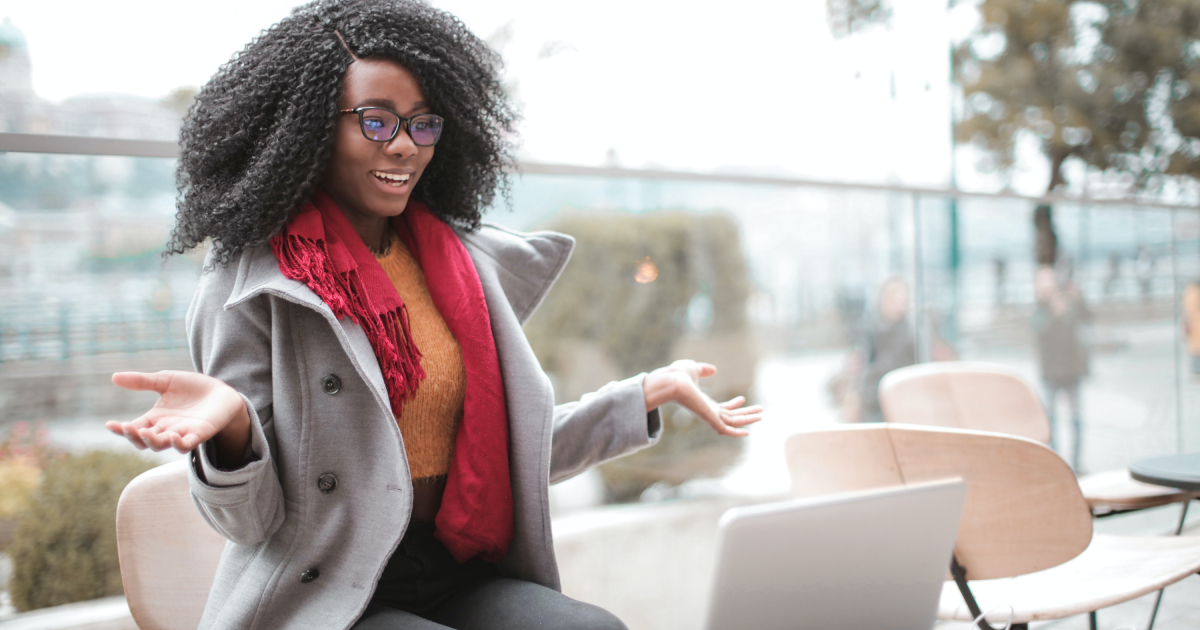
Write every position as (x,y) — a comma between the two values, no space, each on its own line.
(18,477)
(23,455)
(642,290)
(65,546)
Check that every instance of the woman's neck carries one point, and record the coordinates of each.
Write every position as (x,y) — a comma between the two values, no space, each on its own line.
(375,231)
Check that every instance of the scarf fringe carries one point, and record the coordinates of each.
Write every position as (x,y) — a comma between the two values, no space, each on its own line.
(307,260)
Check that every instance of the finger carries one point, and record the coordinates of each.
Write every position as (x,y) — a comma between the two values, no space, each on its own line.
(153,438)
(143,381)
(731,432)
(756,409)
(131,433)
(184,443)
(714,418)
(741,421)
(179,442)
(733,403)
(706,369)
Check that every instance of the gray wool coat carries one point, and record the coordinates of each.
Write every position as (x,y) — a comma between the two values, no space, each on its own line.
(302,554)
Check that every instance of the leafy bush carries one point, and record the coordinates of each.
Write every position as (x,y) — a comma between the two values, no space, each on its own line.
(641,291)
(65,546)
(23,455)
(18,478)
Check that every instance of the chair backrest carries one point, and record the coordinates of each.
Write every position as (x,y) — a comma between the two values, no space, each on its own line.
(1023,513)
(168,553)
(964,395)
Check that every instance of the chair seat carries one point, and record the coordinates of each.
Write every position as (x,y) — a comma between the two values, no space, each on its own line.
(1115,490)
(1113,569)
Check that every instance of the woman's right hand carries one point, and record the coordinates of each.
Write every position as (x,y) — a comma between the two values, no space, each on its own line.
(191,409)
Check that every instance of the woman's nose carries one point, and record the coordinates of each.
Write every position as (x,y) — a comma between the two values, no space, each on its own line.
(402,145)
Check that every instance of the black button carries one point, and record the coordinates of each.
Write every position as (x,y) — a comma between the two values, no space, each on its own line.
(309,575)
(327,482)
(332,384)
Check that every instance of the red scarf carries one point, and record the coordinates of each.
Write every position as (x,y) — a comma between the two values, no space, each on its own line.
(320,248)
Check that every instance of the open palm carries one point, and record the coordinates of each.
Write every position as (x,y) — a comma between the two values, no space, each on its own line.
(680,382)
(191,409)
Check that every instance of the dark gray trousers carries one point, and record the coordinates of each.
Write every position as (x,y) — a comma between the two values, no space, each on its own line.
(423,588)
(497,604)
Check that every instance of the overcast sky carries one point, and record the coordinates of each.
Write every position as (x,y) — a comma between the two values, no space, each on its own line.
(752,86)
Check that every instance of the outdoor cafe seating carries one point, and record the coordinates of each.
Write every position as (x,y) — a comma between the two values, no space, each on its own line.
(1025,539)
(990,397)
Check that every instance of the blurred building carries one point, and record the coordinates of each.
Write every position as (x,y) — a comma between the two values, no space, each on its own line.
(102,115)
(20,108)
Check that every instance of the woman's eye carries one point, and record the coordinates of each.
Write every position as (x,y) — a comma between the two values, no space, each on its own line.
(373,123)
(420,125)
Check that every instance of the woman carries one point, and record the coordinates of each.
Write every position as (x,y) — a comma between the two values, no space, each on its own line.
(370,429)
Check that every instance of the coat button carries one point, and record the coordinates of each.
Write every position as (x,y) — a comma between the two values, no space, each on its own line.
(327,482)
(331,384)
(309,575)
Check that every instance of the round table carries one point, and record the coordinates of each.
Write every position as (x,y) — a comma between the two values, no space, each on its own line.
(1174,471)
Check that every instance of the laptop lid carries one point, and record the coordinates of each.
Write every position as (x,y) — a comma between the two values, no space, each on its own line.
(862,560)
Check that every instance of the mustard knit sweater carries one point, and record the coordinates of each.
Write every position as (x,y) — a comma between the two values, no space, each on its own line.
(429,421)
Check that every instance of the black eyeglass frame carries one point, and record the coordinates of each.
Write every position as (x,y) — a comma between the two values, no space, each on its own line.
(404,122)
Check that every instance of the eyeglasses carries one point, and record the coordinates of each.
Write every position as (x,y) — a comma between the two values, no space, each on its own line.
(380,124)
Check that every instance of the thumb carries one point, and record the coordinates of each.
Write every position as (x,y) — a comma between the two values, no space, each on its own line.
(142,381)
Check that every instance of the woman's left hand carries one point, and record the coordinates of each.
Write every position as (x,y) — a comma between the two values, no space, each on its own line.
(680,383)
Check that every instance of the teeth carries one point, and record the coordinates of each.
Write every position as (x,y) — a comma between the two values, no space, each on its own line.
(390,177)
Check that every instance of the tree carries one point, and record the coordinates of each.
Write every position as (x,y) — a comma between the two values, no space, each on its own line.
(1098,81)
(1111,83)
(847,17)
(1114,84)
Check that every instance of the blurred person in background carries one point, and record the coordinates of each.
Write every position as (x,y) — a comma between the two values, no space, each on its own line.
(1057,321)
(886,344)
(369,427)
(1000,274)
(1145,266)
(1191,323)
(1112,275)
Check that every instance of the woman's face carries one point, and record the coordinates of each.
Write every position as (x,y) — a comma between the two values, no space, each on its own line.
(373,180)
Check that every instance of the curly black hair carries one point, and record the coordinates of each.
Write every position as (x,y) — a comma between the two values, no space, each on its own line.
(256,141)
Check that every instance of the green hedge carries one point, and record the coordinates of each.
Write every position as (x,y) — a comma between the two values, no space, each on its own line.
(600,323)
(65,546)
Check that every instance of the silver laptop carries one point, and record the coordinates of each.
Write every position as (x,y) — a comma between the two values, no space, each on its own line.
(840,562)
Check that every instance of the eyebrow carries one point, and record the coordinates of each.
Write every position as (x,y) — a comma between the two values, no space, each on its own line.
(388,103)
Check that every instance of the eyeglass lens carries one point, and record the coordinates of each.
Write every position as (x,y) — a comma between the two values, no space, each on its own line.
(380,125)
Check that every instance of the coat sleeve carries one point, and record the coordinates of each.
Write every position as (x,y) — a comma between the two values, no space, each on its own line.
(602,425)
(246,504)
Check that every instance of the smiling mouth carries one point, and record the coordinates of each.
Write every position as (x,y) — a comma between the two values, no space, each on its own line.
(395,181)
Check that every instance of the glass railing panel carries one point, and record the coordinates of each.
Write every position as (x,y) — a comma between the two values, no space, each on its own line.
(1115,337)
(1186,246)
(86,289)
(814,259)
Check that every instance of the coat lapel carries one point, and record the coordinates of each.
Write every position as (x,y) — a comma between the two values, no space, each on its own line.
(258,272)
